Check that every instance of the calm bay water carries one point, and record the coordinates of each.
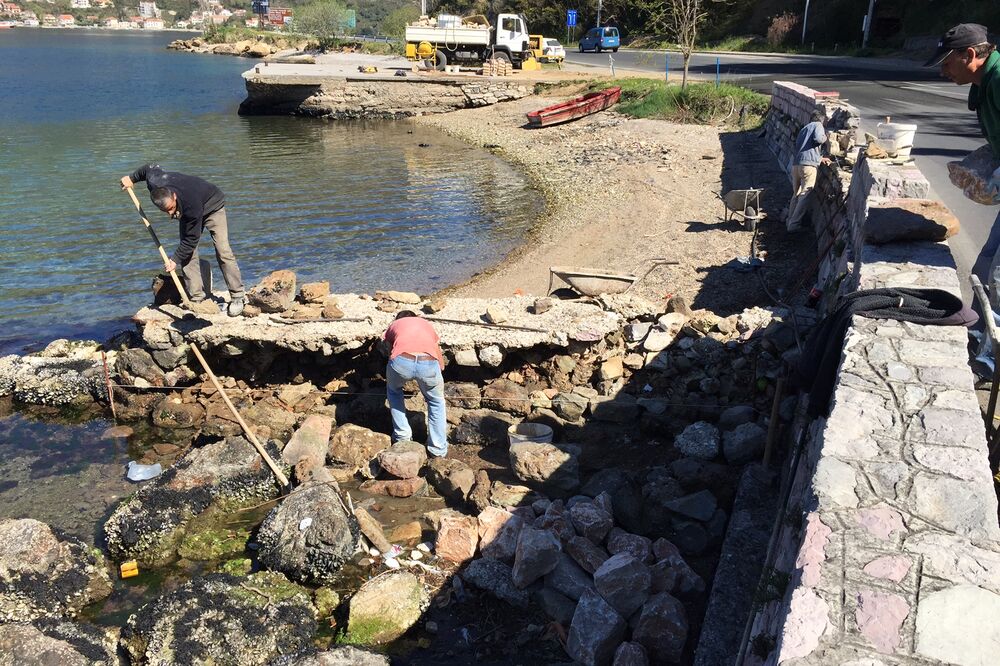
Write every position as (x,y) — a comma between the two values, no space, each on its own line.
(360,204)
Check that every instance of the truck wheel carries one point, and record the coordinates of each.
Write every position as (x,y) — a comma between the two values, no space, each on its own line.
(440,60)
(597,49)
(580,47)
(501,55)
(615,49)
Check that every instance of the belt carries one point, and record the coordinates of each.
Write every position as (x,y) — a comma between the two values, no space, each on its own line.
(418,356)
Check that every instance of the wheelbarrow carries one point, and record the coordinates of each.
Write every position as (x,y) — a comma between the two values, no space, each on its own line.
(594,282)
(743,205)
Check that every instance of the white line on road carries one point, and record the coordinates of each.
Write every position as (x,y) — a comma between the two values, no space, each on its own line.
(934,90)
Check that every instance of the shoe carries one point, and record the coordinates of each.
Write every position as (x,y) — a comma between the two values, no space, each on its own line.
(236,305)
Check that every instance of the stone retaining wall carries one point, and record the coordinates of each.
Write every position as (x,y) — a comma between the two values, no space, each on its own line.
(888,550)
(372,96)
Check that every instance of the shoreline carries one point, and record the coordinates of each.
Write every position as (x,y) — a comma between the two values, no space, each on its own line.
(620,192)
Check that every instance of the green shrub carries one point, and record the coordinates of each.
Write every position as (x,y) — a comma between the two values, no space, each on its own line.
(699,103)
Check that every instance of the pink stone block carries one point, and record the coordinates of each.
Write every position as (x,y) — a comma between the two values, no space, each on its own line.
(807,620)
(812,553)
(881,521)
(890,567)
(880,616)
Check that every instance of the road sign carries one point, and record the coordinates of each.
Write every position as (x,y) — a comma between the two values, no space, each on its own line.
(570,18)
(260,6)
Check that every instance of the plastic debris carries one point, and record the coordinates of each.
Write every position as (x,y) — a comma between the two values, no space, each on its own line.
(416,555)
(305,523)
(391,562)
(129,569)
(140,472)
(374,552)
(394,551)
(424,547)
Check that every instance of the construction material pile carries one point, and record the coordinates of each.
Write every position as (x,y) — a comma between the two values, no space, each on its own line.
(497,67)
(451,21)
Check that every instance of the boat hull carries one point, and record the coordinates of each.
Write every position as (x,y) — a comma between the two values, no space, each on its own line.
(575,108)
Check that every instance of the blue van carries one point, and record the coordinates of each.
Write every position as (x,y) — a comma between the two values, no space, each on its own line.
(598,39)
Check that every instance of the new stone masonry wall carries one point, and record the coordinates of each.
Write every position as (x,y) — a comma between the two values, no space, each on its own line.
(887,550)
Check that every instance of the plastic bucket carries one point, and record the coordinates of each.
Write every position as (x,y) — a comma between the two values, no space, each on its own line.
(896,138)
(535,433)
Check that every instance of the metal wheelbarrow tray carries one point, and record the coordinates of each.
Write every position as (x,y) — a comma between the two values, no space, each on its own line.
(590,281)
(737,202)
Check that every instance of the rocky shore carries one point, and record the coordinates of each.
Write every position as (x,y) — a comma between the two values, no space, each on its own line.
(610,530)
(248,48)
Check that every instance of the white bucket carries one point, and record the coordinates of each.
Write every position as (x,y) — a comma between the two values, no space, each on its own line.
(896,138)
(535,433)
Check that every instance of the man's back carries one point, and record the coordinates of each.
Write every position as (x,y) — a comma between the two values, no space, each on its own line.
(193,192)
(809,143)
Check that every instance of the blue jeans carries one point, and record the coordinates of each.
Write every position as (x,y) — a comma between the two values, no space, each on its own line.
(427,373)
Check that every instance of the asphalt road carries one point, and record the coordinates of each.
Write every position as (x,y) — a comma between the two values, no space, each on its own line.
(947,130)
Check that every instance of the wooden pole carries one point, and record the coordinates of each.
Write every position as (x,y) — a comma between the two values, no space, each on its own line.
(107,382)
(772,426)
(278,474)
(159,246)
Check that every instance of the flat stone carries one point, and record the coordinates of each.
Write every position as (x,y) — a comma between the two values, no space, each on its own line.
(541,306)
(806,621)
(591,521)
(406,297)
(394,487)
(570,406)
(586,553)
(596,631)
(403,460)
(612,369)
(557,606)
(314,292)
(889,567)
(385,607)
(834,482)
(451,478)
(624,582)
(311,441)
(496,578)
(372,530)
(510,495)
(812,552)
(881,521)
(956,559)
(880,616)
(498,533)
(274,293)
(507,396)
(568,578)
(356,446)
(964,507)
(662,628)
(958,625)
(550,467)
(700,506)
(457,537)
(537,554)
(699,440)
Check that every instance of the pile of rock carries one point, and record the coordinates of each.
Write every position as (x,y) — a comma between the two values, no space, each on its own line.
(605,584)
(247,48)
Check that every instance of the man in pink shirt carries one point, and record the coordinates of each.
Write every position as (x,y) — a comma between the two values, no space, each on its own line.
(415,354)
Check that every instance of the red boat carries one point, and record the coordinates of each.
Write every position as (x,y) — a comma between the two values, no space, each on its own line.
(575,108)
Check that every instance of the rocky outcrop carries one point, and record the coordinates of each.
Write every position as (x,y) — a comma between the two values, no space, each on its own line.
(345,655)
(46,575)
(309,535)
(149,525)
(56,643)
(385,607)
(47,380)
(224,620)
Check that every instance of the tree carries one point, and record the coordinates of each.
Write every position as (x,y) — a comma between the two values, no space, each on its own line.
(394,24)
(324,19)
(683,17)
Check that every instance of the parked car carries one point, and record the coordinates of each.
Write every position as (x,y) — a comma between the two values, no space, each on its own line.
(598,39)
(553,51)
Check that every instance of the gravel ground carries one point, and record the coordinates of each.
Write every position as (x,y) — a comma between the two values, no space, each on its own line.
(621,192)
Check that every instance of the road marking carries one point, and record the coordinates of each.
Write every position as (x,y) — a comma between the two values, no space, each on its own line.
(934,90)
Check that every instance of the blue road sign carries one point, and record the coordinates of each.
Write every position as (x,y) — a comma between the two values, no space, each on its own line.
(570,18)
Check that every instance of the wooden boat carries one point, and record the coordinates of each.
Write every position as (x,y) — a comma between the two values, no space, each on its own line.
(575,108)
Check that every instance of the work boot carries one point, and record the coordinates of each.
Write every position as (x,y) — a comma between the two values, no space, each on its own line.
(235,308)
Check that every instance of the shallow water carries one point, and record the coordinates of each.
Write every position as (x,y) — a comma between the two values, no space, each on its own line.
(362,204)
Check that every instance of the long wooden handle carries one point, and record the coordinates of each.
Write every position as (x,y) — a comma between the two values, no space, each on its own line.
(159,246)
(278,474)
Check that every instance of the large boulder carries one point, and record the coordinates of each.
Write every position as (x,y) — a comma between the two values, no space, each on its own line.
(403,460)
(537,554)
(275,293)
(150,524)
(345,655)
(662,629)
(56,643)
(550,467)
(624,582)
(595,632)
(591,521)
(309,535)
(699,440)
(744,444)
(451,478)
(507,396)
(310,442)
(357,446)
(568,578)
(496,578)
(385,607)
(44,574)
(457,537)
(483,427)
(586,553)
(498,533)
(223,620)
(50,381)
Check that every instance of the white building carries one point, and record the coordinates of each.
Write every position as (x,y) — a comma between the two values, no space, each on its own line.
(149,9)
(153,24)
(79,4)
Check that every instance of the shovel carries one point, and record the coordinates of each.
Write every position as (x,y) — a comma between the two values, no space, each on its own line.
(159,246)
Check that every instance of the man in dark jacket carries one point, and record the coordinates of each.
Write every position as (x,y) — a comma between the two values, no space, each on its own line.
(198,205)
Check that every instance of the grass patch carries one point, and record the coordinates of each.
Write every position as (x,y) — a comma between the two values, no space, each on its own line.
(758,44)
(698,103)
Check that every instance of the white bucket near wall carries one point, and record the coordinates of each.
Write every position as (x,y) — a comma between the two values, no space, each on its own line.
(535,433)
(895,138)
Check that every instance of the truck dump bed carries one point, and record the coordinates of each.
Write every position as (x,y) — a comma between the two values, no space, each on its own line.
(473,30)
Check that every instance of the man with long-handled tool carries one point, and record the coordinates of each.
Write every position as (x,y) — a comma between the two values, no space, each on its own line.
(197,205)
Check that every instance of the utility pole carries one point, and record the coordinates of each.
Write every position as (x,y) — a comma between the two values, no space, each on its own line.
(423,7)
(805,22)
(868,22)
(600,3)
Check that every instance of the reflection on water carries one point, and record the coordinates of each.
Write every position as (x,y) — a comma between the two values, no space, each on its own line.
(360,204)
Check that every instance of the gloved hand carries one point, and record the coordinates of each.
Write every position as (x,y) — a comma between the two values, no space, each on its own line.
(993,187)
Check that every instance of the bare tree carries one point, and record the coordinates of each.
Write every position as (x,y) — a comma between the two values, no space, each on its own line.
(683,18)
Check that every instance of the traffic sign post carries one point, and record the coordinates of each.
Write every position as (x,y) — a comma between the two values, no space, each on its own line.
(570,22)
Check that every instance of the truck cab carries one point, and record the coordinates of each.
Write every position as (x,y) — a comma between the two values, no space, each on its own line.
(511,36)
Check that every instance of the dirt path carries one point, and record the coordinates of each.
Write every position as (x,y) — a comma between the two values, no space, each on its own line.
(622,192)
